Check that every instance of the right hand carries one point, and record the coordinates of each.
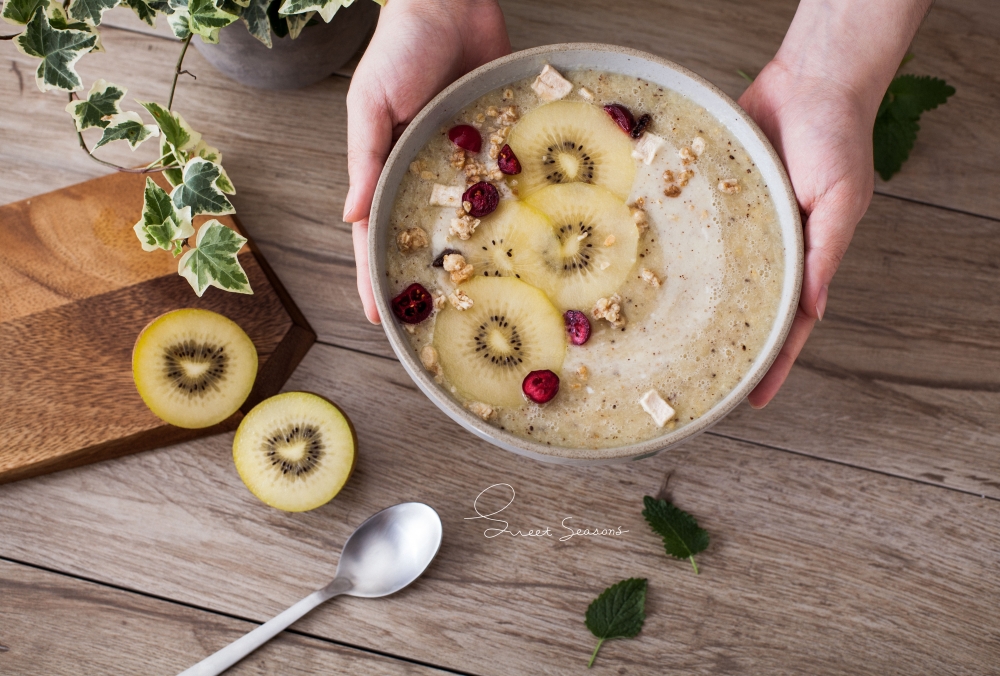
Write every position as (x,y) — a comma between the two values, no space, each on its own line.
(419,48)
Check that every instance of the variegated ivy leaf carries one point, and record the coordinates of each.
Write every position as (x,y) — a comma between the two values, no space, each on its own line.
(213,261)
(200,189)
(296,22)
(19,12)
(163,225)
(177,142)
(207,152)
(101,103)
(59,21)
(59,51)
(145,11)
(127,126)
(201,17)
(325,8)
(255,17)
(90,11)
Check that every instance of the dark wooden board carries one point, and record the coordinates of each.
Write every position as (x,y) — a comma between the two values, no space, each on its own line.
(75,291)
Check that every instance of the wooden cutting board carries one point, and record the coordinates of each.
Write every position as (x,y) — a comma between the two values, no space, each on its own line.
(76,289)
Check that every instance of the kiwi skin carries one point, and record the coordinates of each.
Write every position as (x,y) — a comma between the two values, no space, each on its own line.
(354,440)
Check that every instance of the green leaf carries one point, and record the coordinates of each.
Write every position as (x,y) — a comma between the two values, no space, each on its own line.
(296,22)
(59,51)
(200,189)
(177,142)
(163,225)
(127,126)
(142,10)
(19,12)
(255,17)
(101,103)
(325,8)
(90,11)
(895,129)
(201,17)
(682,538)
(618,612)
(213,261)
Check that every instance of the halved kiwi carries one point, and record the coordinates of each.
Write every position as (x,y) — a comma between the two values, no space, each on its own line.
(595,246)
(295,451)
(193,368)
(567,142)
(511,329)
(508,242)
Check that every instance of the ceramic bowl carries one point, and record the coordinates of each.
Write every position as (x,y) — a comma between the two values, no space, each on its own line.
(568,57)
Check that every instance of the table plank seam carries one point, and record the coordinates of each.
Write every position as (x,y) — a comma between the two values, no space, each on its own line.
(922,203)
(232,616)
(356,350)
(884,473)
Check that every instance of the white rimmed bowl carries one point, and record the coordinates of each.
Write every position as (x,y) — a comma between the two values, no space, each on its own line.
(608,58)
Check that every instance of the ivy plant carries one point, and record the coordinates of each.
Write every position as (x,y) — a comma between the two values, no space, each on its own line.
(59,34)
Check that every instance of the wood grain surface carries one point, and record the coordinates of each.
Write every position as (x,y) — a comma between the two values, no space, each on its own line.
(848,531)
(53,624)
(75,290)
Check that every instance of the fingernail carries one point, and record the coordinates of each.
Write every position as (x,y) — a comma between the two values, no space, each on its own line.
(755,406)
(821,301)
(348,203)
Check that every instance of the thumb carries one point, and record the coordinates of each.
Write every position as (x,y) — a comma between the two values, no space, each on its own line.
(369,139)
(828,233)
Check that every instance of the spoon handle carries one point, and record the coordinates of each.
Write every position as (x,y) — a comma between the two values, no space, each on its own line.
(223,659)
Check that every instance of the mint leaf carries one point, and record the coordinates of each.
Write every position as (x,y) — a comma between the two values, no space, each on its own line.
(101,103)
(213,260)
(19,12)
(682,537)
(200,189)
(127,126)
(618,612)
(59,51)
(163,225)
(90,11)
(895,130)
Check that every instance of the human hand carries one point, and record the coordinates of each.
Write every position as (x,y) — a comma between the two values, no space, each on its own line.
(419,48)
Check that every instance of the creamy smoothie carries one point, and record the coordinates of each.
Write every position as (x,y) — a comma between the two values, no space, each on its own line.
(673,324)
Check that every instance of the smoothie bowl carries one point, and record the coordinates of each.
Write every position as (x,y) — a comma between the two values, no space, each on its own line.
(584,253)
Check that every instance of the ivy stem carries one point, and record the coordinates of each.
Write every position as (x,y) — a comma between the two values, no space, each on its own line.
(593,655)
(128,170)
(177,70)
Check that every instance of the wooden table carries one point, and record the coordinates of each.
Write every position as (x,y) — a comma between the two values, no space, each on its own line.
(855,521)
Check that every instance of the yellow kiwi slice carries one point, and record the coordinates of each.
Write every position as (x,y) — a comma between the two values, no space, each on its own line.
(193,368)
(568,142)
(488,349)
(295,451)
(595,245)
(508,242)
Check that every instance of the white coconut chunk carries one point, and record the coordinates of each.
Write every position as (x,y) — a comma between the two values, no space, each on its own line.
(653,404)
(646,148)
(550,85)
(446,195)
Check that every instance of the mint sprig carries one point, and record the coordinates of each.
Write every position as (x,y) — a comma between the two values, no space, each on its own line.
(896,127)
(682,537)
(618,612)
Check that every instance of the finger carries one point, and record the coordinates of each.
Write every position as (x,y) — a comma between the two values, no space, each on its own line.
(772,381)
(359,232)
(369,139)
(828,233)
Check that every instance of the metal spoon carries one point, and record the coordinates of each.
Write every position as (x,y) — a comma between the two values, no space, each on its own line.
(387,552)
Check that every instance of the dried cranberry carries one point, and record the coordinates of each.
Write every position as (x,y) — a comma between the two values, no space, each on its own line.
(483,197)
(507,161)
(540,386)
(577,326)
(414,305)
(640,125)
(466,137)
(439,261)
(621,115)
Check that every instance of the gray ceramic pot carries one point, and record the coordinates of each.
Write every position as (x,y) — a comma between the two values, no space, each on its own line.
(291,64)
